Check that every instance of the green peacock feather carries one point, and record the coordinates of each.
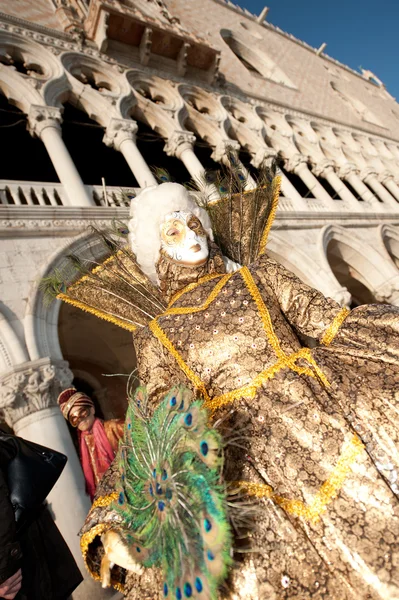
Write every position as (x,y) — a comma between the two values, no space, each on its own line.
(172,499)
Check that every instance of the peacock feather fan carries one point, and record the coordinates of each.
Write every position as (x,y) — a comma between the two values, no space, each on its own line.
(241,218)
(172,499)
(113,287)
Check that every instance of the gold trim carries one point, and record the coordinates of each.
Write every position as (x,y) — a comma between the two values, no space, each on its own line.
(270,219)
(332,330)
(192,286)
(249,390)
(186,310)
(162,337)
(104,500)
(327,492)
(264,313)
(85,542)
(98,313)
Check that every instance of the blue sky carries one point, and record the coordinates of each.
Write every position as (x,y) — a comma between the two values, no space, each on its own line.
(357,32)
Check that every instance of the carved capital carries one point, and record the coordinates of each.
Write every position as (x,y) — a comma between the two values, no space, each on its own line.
(347,169)
(222,147)
(295,162)
(367,172)
(118,131)
(31,387)
(178,142)
(41,117)
(385,176)
(262,155)
(388,292)
(321,168)
(342,296)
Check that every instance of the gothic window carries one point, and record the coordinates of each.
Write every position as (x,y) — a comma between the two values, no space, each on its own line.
(254,60)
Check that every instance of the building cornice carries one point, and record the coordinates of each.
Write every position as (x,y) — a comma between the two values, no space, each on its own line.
(43,221)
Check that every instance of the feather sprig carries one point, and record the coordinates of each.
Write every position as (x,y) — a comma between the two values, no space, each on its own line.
(241,216)
(172,499)
(112,287)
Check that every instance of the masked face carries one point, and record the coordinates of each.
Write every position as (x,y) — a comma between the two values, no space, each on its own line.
(184,239)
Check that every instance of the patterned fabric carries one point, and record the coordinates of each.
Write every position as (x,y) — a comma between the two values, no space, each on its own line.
(98,448)
(321,429)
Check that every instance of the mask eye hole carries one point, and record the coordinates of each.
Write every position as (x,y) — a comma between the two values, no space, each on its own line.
(172,232)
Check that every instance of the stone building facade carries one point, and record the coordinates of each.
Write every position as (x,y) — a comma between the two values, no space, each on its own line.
(93,89)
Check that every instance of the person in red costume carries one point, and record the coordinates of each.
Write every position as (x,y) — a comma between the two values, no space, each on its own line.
(98,440)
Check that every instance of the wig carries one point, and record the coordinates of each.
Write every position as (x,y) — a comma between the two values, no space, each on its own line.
(147,212)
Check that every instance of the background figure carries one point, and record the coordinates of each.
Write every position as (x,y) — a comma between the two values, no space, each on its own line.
(98,440)
(35,563)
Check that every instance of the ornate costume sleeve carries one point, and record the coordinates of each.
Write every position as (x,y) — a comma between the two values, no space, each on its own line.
(305,308)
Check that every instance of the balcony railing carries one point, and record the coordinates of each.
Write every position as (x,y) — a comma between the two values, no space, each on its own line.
(33,193)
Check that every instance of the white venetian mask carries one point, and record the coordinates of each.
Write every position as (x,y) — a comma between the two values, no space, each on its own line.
(184,239)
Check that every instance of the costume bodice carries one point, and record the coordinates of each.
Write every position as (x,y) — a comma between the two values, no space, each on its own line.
(227,334)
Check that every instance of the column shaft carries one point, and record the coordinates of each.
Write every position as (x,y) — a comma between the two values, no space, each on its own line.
(341,189)
(65,167)
(382,192)
(392,187)
(363,191)
(136,162)
(291,193)
(314,186)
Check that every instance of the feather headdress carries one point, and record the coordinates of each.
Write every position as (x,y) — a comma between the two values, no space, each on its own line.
(241,219)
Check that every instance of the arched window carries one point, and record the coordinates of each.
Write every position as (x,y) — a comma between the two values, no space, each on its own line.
(256,61)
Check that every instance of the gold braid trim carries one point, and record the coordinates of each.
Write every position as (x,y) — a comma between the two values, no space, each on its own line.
(270,219)
(192,286)
(85,541)
(104,500)
(98,313)
(162,337)
(248,391)
(332,330)
(188,310)
(328,491)
(264,313)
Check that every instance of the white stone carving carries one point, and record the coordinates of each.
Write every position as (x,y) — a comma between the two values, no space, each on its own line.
(178,142)
(31,387)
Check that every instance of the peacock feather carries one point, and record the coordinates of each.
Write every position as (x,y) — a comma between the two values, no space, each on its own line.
(113,287)
(241,218)
(172,499)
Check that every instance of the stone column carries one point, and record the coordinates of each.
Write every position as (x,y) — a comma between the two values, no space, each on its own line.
(388,292)
(121,135)
(388,181)
(298,165)
(326,170)
(351,175)
(181,145)
(45,123)
(370,178)
(28,404)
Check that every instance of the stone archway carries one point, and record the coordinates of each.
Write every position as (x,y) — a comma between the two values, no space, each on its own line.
(63,332)
(357,266)
(390,239)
